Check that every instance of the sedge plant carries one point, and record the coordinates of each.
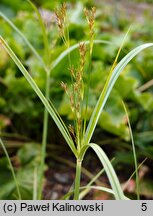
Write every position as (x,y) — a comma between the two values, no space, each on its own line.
(47,67)
(78,95)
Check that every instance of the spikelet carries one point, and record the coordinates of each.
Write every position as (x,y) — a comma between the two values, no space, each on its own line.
(82,50)
(72,71)
(61,18)
(75,92)
(70,95)
(71,129)
(90,16)
(64,86)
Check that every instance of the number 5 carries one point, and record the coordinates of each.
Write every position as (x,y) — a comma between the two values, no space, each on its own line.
(144,206)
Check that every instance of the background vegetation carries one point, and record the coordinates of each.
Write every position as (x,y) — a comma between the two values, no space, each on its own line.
(21,113)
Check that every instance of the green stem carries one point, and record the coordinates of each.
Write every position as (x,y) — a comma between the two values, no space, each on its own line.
(88,86)
(44,139)
(35,186)
(77,179)
(47,86)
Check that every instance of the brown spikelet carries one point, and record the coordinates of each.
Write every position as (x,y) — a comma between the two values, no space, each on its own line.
(90,16)
(72,102)
(72,71)
(60,17)
(82,51)
(70,95)
(64,86)
(63,9)
(78,76)
(71,129)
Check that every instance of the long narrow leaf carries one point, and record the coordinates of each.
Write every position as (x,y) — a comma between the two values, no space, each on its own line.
(84,192)
(116,187)
(40,95)
(104,189)
(73,47)
(134,151)
(127,182)
(108,87)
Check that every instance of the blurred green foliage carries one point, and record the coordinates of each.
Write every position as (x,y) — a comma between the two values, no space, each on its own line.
(14,87)
(25,163)
(22,113)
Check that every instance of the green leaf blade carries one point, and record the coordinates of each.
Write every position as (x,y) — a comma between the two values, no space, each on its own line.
(110,82)
(73,47)
(116,187)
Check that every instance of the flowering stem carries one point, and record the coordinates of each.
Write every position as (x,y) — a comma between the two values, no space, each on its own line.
(44,139)
(77,179)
